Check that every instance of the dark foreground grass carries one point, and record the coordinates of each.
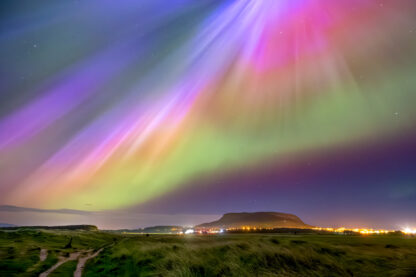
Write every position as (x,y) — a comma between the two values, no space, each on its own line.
(19,250)
(222,255)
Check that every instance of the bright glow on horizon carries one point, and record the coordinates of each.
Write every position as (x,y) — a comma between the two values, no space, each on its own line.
(409,231)
(363,231)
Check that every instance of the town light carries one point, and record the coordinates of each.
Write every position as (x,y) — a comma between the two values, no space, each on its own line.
(189,231)
(409,231)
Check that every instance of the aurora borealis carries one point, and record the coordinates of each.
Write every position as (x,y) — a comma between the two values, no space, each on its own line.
(208,106)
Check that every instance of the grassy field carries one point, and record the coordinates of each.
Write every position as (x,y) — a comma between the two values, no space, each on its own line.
(222,255)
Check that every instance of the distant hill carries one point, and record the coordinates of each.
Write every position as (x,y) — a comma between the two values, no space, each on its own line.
(258,220)
(68,227)
(7,225)
(164,229)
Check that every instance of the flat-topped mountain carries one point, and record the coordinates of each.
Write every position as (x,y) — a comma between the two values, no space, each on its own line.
(258,220)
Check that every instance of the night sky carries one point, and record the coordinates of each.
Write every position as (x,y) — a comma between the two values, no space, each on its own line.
(201,107)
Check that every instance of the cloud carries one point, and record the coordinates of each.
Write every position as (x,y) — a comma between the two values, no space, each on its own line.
(110,219)
(9,208)
(403,191)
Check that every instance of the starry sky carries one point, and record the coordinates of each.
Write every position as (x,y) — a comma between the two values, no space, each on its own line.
(201,107)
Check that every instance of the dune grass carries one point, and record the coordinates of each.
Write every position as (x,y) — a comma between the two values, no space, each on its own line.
(221,255)
(257,255)
(65,270)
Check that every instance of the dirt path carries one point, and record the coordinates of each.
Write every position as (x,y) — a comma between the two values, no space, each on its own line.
(43,254)
(83,260)
(72,257)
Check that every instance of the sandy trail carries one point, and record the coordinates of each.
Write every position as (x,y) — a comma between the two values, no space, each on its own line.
(43,254)
(72,257)
(83,260)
